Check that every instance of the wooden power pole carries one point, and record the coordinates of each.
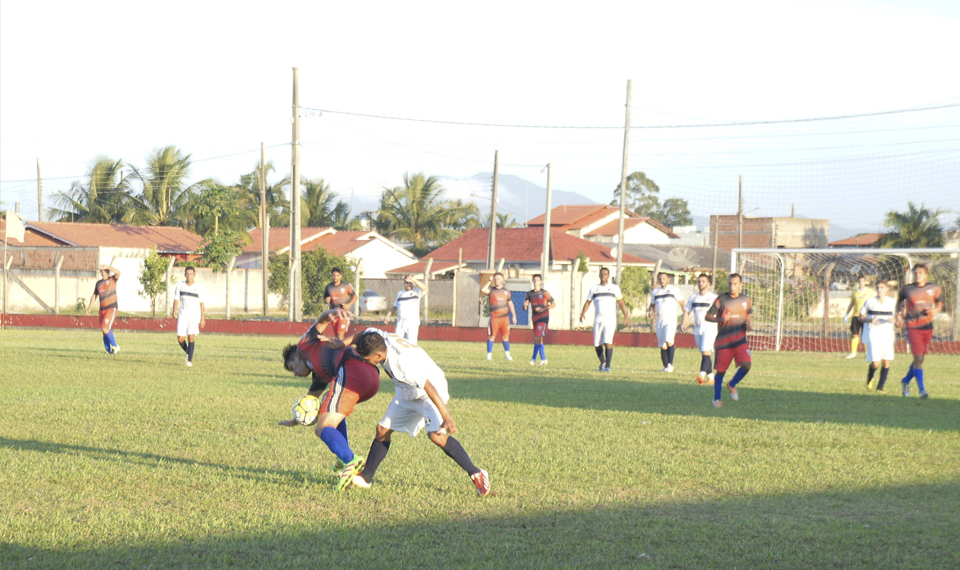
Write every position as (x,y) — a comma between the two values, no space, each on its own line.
(39,193)
(623,180)
(546,227)
(492,253)
(295,312)
(264,229)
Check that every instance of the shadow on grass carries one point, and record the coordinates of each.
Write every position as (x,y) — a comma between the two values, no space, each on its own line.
(910,527)
(763,404)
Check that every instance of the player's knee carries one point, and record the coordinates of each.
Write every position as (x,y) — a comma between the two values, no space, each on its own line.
(383,434)
(438,437)
(745,367)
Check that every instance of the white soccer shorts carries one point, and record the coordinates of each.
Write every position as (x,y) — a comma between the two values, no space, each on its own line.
(880,350)
(408,329)
(188,325)
(705,339)
(603,331)
(410,416)
(666,332)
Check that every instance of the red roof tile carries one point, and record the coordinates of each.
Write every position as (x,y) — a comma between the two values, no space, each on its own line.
(612,228)
(30,237)
(862,239)
(340,243)
(419,267)
(164,239)
(280,238)
(566,215)
(525,245)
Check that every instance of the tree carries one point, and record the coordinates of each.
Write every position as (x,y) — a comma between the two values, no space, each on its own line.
(315,268)
(104,196)
(210,206)
(674,212)
(218,248)
(318,207)
(415,212)
(277,204)
(153,279)
(505,220)
(165,195)
(917,227)
(635,287)
(642,195)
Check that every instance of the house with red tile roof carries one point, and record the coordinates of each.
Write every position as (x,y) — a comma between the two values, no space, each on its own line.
(601,224)
(378,253)
(860,240)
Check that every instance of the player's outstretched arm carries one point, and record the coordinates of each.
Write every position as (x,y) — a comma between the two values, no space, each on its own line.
(485,290)
(448,424)
(626,313)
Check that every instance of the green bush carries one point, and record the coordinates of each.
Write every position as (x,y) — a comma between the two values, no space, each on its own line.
(315,268)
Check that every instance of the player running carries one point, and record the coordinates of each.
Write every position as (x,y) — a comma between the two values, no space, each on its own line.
(351,381)
(857,299)
(731,311)
(878,316)
(408,309)
(106,291)
(501,305)
(704,332)
(607,297)
(665,300)
(419,402)
(188,305)
(540,302)
(917,305)
(339,295)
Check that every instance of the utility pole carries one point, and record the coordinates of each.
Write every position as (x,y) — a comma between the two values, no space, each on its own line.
(623,180)
(546,227)
(740,215)
(492,253)
(264,228)
(295,312)
(39,193)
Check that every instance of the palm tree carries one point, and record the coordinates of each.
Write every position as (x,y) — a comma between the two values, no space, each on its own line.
(277,203)
(917,227)
(467,218)
(505,220)
(104,197)
(416,213)
(165,195)
(317,205)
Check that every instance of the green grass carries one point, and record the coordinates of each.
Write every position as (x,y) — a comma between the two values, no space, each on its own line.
(135,461)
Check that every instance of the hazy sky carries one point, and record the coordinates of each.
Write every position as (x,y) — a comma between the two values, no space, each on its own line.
(120,78)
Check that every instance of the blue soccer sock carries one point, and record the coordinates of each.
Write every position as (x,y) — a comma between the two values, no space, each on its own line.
(455,451)
(106,342)
(918,374)
(489,346)
(718,385)
(190,348)
(909,376)
(671,350)
(741,372)
(111,340)
(506,346)
(337,444)
(342,428)
(536,351)
(543,353)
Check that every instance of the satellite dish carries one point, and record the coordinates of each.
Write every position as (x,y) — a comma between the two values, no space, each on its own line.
(613,252)
(683,257)
(855,269)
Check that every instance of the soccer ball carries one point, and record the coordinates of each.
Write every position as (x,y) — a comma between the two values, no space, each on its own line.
(306,409)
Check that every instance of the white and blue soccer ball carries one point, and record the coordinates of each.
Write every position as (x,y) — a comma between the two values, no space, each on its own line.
(306,409)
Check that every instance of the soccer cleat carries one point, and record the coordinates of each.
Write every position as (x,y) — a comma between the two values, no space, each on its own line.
(881,390)
(533,362)
(701,378)
(189,364)
(543,362)
(906,389)
(733,392)
(482,482)
(347,473)
(507,356)
(606,369)
(360,482)
(489,356)
(717,404)
(849,356)
(669,367)
(869,384)
(114,349)
(601,368)
(338,465)
(711,377)
(923,395)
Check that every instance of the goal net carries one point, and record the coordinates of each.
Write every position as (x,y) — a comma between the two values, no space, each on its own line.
(800,296)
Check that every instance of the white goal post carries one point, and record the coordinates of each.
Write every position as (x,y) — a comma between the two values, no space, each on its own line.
(800,296)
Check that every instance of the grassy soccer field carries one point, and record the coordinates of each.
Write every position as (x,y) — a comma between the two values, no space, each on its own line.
(135,461)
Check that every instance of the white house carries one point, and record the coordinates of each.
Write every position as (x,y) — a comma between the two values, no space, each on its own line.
(600,223)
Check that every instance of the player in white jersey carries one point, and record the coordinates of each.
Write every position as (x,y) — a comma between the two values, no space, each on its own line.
(408,309)
(188,305)
(879,315)
(419,402)
(664,304)
(606,297)
(704,332)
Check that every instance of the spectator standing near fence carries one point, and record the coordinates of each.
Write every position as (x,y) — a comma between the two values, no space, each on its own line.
(407,306)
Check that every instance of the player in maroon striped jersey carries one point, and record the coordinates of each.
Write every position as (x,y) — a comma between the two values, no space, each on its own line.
(106,291)
(917,305)
(540,301)
(339,295)
(731,311)
(502,314)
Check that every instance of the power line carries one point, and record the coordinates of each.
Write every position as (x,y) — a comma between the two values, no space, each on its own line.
(703,125)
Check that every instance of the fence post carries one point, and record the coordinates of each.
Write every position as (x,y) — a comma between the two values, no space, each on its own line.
(56,285)
(230,265)
(166,287)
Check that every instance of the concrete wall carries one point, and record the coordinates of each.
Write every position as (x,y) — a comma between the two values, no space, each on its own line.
(771,232)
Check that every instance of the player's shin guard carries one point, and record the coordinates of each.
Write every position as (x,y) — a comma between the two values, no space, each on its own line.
(106,342)
(543,352)
(337,444)
(378,452)
(599,350)
(883,378)
(506,346)
(456,452)
(705,363)
(190,348)
(718,385)
(671,350)
(918,374)
(910,375)
(741,372)
(608,354)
